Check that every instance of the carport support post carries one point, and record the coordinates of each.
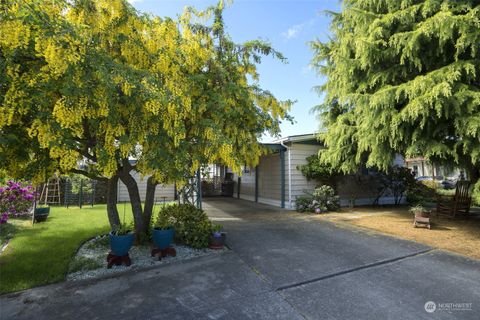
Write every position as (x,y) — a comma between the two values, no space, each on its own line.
(239,186)
(282,177)
(199,190)
(256,183)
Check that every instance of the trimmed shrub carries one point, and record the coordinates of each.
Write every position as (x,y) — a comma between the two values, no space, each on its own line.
(302,204)
(192,226)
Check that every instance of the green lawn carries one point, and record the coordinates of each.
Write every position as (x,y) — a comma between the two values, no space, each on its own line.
(41,254)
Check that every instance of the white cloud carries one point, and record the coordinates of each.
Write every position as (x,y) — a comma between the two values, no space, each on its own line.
(295,30)
(292,32)
(306,70)
(134,1)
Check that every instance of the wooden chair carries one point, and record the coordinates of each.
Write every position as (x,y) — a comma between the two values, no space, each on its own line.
(459,203)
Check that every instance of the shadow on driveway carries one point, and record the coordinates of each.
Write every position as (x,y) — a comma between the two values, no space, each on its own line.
(283,266)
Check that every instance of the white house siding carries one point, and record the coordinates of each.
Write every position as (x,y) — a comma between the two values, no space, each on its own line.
(299,184)
(247,184)
(269,179)
(362,189)
(162,192)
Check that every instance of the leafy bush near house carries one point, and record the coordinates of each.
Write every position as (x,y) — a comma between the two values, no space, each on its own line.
(395,182)
(322,198)
(476,194)
(303,203)
(420,193)
(427,191)
(318,171)
(192,226)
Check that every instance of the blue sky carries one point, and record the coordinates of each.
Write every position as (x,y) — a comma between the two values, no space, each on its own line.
(289,26)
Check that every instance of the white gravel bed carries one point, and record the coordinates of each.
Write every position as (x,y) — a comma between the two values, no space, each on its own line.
(91,259)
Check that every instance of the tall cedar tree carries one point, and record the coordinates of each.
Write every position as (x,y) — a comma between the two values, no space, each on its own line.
(402,76)
(97,80)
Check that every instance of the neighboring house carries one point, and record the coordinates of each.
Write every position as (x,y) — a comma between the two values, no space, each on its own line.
(423,168)
(277,181)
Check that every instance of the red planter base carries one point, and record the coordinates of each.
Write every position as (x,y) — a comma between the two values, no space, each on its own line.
(162,253)
(217,243)
(118,260)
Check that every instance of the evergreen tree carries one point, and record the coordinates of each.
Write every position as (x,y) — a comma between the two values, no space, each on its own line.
(402,76)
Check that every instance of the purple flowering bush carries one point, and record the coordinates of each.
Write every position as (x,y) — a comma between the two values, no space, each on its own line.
(15,200)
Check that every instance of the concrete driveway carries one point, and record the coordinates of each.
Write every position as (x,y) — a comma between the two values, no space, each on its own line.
(282,265)
(329,272)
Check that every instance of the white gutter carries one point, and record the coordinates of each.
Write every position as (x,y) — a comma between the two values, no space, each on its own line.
(289,174)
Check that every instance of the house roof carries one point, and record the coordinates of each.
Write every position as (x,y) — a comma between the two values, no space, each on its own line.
(310,138)
(415,159)
(274,146)
(300,138)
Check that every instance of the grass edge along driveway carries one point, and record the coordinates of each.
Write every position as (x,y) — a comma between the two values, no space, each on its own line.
(41,254)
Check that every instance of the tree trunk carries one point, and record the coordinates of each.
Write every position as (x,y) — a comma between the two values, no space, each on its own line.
(112,211)
(149,202)
(135,201)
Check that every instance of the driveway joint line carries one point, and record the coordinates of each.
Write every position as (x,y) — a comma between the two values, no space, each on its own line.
(340,273)
(264,279)
(255,271)
(280,294)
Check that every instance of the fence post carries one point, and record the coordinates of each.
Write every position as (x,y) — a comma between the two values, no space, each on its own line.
(80,195)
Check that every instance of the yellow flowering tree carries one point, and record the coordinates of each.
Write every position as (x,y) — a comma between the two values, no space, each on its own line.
(97,81)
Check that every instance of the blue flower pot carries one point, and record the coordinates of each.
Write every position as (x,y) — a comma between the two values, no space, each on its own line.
(162,239)
(41,214)
(121,244)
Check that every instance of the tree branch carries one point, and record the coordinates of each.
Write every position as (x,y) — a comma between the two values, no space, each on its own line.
(87,155)
(88,174)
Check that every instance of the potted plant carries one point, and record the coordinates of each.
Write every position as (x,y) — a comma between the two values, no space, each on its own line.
(217,238)
(422,216)
(41,213)
(420,211)
(121,239)
(163,232)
